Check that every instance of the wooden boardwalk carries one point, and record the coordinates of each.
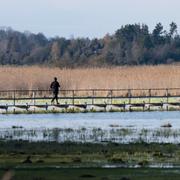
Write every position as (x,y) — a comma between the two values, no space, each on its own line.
(91,100)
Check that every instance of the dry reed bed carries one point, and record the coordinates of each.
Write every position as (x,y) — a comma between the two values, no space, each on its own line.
(91,78)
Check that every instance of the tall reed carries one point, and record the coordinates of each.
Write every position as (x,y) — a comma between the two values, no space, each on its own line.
(90,78)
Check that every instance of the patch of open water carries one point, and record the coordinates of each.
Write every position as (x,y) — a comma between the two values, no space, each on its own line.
(93,127)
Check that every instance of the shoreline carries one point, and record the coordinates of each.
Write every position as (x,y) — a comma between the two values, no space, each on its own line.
(78,110)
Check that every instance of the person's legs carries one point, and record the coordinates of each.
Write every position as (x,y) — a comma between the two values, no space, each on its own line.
(56,97)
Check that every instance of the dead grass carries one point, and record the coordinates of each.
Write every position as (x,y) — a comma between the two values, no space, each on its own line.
(91,78)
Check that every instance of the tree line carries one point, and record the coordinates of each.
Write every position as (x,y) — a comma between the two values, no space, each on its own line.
(132,44)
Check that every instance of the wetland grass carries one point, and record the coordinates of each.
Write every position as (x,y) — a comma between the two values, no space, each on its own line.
(91,78)
(13,153)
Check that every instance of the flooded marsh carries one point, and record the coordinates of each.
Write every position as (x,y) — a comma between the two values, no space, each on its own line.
(149,127)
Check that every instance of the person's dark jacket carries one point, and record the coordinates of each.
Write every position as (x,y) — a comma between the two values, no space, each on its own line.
(55,86)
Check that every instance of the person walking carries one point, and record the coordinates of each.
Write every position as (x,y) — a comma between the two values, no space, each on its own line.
(55,89)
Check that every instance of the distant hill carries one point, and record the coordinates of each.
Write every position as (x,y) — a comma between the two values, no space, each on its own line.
(132,44)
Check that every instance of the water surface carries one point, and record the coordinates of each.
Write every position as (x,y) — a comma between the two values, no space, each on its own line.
(93,127)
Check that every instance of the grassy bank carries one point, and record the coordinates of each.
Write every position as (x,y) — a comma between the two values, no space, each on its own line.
(13,153)
(71,161)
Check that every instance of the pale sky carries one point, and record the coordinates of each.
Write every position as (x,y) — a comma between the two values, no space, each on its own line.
(85,18)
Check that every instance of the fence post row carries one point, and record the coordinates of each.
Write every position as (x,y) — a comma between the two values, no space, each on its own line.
(110,94)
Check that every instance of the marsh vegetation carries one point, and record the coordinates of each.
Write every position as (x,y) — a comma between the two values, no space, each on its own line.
(100,146)
(93,127)
(146,77)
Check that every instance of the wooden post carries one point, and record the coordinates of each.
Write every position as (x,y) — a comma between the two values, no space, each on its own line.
(167,100)
(144,105)
(93,94)
(162,105)
(124,107)
(111,96)
(46,107)
(149,96)
(34,101)
(6,108)
(14,98)
(129,95)
(167,95)
(27,107)
(66,107)
(105,106)
(73,97)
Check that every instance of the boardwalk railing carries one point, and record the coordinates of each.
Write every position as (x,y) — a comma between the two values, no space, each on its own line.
(90,96)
